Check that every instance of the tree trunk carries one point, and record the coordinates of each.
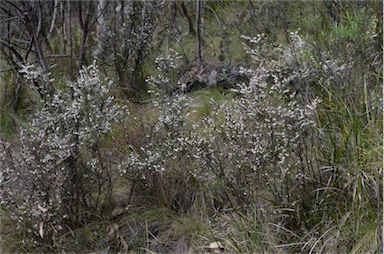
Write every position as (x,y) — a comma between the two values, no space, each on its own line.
(70,43)
(101,5)
(189,19)
(198,29)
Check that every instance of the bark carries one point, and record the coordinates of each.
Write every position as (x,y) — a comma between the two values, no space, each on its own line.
(101,6)
(70,42)
(85,27)
(56,6)
(198,29)
(189,19)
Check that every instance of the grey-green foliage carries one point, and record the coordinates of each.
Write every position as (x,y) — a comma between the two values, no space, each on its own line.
(126,42)
(49,178)
(255,135)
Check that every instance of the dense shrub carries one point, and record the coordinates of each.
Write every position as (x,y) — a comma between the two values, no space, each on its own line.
(59,174)
(290,161)
(251,142)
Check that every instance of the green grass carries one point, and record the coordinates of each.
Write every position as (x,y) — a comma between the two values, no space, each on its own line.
(203,102)
(338,210)
(353,148)
(13,240)
(7,125)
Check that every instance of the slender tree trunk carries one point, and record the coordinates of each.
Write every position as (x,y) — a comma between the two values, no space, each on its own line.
(189,19)
(73,188)
(36,34)
(85,30)
(70,43)
(101,5)
(64,26)
(122,12)
(100,15)
(198,29)
(56,6)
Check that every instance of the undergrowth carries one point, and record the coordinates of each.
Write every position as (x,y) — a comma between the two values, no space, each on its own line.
(288,162)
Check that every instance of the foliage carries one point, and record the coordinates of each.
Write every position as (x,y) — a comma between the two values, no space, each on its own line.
(131,43)
(49,178)
(289,161)
(166,81)
(251,143)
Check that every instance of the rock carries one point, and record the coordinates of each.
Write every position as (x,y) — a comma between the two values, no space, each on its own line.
(212,78)
(209,75)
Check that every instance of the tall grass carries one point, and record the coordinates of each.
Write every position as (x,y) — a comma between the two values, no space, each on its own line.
(353,151)
(258,169)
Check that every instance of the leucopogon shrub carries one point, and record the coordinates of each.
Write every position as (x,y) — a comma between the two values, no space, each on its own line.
(59,173)
(167,66)
(249,143)
(264,147)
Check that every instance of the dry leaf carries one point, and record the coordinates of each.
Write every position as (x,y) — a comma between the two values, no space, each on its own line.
(216,247)
(113,232)
(41,229)
(106,251)
(124,244)
(56,228)
(43,209)
(117,211)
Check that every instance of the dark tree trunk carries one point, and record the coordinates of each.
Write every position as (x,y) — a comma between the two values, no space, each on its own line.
(198,29)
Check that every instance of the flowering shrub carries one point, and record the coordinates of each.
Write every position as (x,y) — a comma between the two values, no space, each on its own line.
(162,154)
(59,170)
(257,135)
(164,82)
(264,167)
